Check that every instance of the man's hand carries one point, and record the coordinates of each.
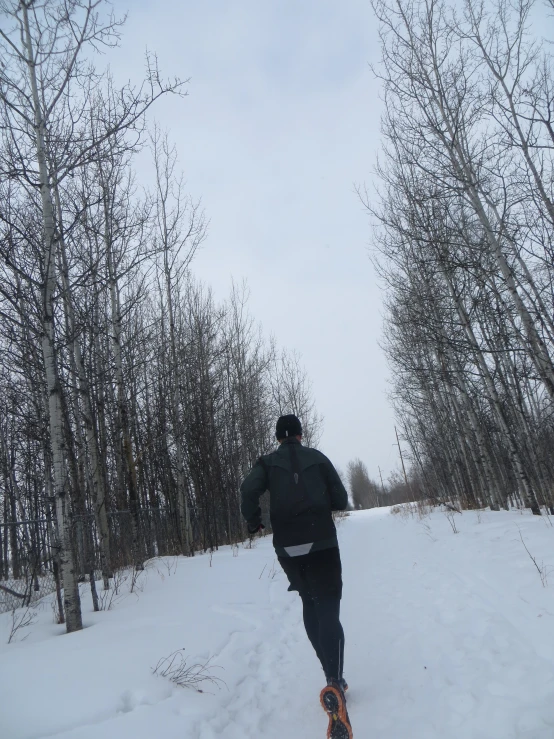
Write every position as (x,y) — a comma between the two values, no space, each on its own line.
(254,527)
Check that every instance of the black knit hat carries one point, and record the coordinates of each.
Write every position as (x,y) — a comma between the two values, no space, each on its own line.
(288,426)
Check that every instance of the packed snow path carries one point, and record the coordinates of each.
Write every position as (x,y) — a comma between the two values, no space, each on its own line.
(449,636)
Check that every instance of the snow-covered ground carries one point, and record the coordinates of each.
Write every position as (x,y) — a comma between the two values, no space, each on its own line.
(449,636)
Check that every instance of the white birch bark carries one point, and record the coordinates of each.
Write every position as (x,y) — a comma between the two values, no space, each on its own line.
(529,495)
(447,126)
(72,603)
(96,477)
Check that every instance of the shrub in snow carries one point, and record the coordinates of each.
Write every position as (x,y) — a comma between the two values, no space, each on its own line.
(176,669)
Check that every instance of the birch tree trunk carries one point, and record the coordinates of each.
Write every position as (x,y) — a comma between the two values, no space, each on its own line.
(180,229)
(72,604)
(97,482)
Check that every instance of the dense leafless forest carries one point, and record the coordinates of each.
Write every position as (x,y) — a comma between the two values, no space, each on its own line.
(131,401)
(465,244)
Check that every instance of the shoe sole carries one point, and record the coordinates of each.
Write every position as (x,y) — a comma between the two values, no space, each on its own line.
(334,705)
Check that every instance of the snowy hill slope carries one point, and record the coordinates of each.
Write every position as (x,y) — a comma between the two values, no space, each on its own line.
(449,636)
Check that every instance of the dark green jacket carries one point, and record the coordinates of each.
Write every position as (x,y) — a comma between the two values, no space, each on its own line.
(304,488)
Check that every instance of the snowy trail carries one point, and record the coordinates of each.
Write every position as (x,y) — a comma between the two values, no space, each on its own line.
(448,637)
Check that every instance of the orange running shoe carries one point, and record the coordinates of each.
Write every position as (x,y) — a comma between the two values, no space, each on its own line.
(334,703)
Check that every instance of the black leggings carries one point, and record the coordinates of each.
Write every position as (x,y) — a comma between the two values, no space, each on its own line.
(318,578)
(323,626)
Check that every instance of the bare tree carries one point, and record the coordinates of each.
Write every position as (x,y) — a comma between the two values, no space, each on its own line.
(180,230)
(465,246)
(365,492)
(292,394)
(131,401)
(45,138)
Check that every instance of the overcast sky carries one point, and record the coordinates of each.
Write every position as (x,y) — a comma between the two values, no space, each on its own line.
(280,125)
